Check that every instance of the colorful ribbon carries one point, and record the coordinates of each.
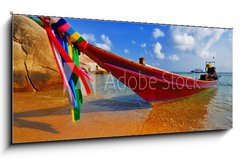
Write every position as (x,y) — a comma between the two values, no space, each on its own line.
(65,50)
(73,36)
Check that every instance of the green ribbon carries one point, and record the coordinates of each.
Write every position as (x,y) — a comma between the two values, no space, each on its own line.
(77,111)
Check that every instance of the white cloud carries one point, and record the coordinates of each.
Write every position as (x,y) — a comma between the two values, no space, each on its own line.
(216,34)
(157,33)
(183,41)
(106,44)
(103,46)
(204,50)
(173,57)
(126,51)
(106,39)
(144,45)
(134,42)
(89,37)
(196,40)
(202,33)
(206,54)
(157,51)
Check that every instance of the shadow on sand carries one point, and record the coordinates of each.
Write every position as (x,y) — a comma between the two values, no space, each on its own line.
(34,125)
(120,103)
(23,123)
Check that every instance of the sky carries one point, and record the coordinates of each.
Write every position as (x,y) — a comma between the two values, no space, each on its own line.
(169,47)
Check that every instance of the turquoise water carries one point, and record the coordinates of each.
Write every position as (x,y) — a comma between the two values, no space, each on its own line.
(206,111)
(220,107)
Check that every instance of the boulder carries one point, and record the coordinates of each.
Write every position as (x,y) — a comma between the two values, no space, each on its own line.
(34,67)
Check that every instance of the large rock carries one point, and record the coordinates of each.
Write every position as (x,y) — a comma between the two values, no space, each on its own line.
(34,67)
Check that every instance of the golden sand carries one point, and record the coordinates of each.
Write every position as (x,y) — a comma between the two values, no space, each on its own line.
(46,116)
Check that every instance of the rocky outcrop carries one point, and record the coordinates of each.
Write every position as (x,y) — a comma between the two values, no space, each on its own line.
(34,67)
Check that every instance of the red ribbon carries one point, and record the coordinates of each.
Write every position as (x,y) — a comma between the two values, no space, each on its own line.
(65,56)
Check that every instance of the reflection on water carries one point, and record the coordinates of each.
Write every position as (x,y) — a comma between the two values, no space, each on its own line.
(114,111)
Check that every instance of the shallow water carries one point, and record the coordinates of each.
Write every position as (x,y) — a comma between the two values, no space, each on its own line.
(217,102)
(114,111)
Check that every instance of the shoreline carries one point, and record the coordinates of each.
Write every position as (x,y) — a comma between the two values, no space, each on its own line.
(49,118)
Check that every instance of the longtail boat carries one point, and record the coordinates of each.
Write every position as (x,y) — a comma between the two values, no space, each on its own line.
(150,83)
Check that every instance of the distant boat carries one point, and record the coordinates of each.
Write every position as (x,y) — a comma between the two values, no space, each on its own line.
(197,70)
(159,85)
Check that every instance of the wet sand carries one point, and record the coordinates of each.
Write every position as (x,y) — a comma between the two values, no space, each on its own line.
(46,116)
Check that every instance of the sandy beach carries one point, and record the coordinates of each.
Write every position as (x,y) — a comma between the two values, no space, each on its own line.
(46,116)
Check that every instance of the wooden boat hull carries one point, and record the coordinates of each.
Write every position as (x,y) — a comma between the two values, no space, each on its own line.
(149,83)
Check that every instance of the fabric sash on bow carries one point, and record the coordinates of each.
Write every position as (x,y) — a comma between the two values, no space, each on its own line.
(66,52)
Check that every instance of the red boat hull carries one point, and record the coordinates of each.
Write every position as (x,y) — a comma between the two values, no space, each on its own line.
(149,83)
